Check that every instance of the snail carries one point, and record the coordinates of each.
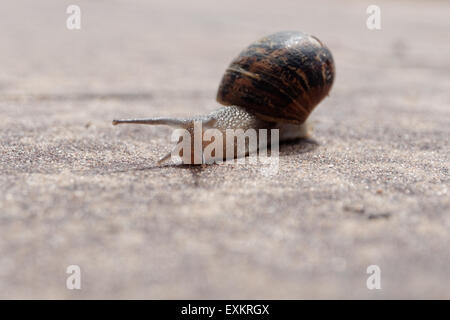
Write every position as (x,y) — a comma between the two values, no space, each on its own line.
(274,83)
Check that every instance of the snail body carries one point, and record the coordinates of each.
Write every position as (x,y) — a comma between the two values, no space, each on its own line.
(275,83)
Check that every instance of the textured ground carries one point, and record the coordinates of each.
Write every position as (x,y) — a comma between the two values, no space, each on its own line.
(75,190)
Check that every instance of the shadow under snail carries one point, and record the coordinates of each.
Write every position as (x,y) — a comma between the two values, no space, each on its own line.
(274,83)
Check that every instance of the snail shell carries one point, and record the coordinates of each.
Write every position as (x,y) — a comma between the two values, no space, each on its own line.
(281,77)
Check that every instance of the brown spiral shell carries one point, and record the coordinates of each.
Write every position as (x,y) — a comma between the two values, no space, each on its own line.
(281,77)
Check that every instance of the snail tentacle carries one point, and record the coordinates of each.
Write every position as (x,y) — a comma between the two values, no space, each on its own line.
(173,122)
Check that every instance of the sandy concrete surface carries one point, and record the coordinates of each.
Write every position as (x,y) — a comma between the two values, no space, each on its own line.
(74,190)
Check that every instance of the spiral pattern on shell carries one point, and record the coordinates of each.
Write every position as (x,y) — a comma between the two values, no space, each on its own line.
(281,77)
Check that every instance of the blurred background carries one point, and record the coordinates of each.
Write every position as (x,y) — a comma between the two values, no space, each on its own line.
(74,190)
